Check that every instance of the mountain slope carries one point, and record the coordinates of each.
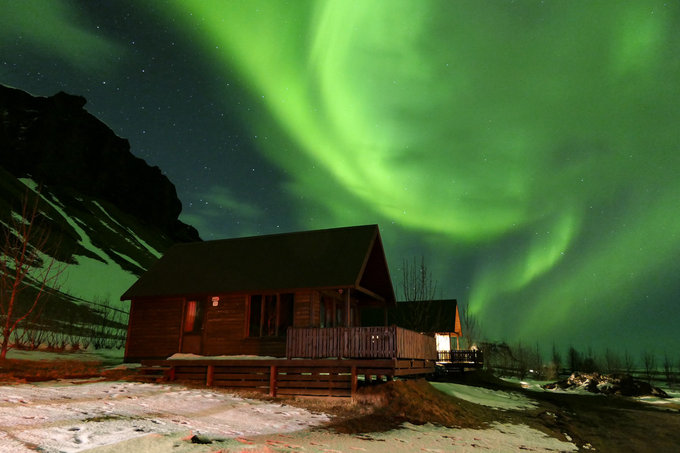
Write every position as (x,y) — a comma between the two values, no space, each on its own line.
(109,215)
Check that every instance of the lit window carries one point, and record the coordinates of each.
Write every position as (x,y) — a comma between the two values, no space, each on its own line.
(193,317)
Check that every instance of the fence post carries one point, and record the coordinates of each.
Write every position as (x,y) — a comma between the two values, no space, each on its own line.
(273,372)
(209,376)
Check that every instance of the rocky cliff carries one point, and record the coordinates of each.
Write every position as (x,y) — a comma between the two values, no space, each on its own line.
(108,215)
(56,142)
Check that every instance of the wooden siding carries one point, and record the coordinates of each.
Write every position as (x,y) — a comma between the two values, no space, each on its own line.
(303,315)
(359,342)
(154,329)
(225,331)
(225,326)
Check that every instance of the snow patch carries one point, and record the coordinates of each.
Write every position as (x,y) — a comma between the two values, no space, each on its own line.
(74,418)
(139,240)
(496,399)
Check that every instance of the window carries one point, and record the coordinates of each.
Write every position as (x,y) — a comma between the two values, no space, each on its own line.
(270,315)
(255,316)
(338,316)
(286,312)
(193,317)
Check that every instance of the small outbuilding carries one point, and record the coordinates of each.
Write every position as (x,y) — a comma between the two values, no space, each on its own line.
(439,318)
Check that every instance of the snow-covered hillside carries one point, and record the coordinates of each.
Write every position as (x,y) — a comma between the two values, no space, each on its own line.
(97,271)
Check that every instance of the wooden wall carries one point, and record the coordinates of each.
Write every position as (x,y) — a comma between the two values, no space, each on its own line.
(225,326)
(306,309)
(154,329)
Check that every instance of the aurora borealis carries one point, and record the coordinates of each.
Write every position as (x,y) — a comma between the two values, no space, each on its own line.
(529,150)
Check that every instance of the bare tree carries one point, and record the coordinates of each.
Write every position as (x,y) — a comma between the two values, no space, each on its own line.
(555,363)
(628,362)
(417,283)
(668,369)
(521,360)
(23,267)
(575,359)
(649,363)
(470,327)
(612,361)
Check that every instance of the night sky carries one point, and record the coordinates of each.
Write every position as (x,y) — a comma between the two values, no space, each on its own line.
(530,151)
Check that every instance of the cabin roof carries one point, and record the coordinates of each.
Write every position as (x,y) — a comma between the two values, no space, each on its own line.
(349,257)
(428,316)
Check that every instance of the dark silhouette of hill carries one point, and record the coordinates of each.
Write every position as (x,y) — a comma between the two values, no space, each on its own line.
(56,142)
(109,214)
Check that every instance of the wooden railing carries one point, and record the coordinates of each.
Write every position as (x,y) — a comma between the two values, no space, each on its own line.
(468,357)
(359,343)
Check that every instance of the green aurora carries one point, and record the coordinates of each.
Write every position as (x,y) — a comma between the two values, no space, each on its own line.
(530,150)
(545,130)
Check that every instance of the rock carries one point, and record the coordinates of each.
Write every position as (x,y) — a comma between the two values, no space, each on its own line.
(616,384)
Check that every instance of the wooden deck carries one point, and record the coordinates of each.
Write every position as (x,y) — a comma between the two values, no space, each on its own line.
(320,362)
(293,377)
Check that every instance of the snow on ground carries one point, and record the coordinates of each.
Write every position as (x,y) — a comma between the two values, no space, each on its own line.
(139,240)
(118,417)
(106,356)
(537,386)
(496,399)
(672,403)
(58,417)
(407,439)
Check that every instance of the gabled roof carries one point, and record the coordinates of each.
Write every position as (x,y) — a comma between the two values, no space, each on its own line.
(350,257)
(430,316)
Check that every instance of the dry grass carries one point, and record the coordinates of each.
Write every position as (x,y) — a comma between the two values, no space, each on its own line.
(386,406)
(16,370)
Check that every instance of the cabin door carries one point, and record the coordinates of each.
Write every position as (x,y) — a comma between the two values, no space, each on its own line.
(192,327)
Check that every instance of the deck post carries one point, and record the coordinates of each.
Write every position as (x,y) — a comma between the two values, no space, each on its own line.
(171,374)
(354,383)
(348,310)
(209,376)
(273,372)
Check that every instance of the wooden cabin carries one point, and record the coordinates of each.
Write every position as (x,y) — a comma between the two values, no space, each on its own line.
(294,295)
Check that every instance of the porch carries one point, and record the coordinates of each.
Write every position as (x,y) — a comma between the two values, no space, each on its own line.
(359,343)
(461,358)
(320,362)
(283,377)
